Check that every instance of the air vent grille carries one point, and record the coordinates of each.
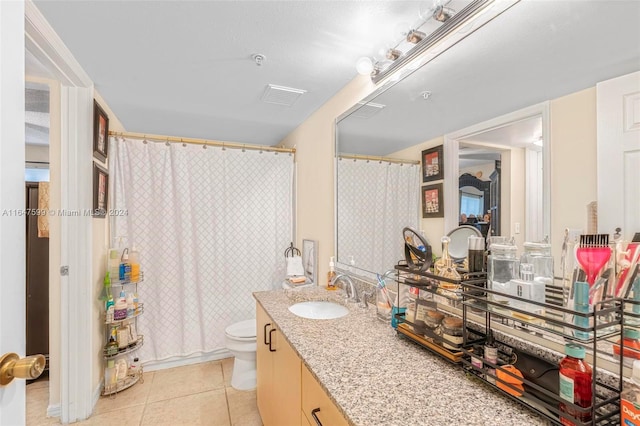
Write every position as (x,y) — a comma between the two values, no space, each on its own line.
(367,110)
(281,95)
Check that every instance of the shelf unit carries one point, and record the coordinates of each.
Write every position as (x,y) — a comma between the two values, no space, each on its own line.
(606,322)
(131,378)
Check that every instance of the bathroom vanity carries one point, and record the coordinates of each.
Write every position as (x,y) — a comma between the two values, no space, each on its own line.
(358,372)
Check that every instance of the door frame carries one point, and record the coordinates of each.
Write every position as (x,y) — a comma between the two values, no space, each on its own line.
(75,358)
(451,170)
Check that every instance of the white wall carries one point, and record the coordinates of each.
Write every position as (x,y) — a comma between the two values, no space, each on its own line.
(37,153)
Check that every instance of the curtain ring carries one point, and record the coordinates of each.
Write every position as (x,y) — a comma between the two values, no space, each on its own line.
(243,150)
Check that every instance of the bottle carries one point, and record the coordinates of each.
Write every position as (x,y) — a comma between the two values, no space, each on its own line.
(131,309)
(630,343)
(114,263)
(527,288)
(630,398)
(111,348)
(120,311)
(503,267)
(331,275)
(575,385)
(134,260)
(134,366)
(109,302)
(491,355)
(110,377)
(125,267)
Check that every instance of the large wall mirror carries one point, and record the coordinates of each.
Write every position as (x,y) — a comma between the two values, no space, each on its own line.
(502,75)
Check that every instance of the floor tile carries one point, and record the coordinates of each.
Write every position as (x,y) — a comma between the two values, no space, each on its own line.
(243,408)
(135,395)
(206,408)
(187,380)
(37,403)
(131,416)
(227,370)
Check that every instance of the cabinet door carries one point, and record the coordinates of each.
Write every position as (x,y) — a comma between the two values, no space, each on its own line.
(286,382)
(264,366)
(316,402)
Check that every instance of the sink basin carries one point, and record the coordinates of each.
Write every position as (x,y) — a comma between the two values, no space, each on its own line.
(318,310)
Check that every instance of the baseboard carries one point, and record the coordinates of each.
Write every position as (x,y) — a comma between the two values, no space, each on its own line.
(96,396)
(53,410)
(186,360)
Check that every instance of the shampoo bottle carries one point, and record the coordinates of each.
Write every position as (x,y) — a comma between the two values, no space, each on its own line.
(331,275)
(134,260)
(125,267)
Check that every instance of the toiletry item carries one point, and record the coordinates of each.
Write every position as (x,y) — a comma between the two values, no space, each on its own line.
(120,311)
(503,267)
(111,348)
(136,304)
(134,260)
(114,263)
(452,337)
(121,369)
(539,255)
(433,322)
(475,254)
(383,307)
(630,398)
(422,308)
(110,377)
(575,385)
(476,359)
(133,333)
(123,336)
(631,344)
(581,304)
(491,355)
(134,366)
(506,381)
(331,275)
(410,315)
(131,309)
(124,272)
(527,288)
(109,302)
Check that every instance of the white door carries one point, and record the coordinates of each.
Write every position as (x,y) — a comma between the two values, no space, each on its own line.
(618,108)
(12,223)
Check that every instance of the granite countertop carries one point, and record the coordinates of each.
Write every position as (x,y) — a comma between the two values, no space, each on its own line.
(377,378)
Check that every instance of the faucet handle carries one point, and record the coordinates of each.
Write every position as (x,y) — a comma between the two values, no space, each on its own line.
(366,294)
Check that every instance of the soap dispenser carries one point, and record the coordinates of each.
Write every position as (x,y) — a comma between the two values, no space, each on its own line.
(331,274)
(527,288)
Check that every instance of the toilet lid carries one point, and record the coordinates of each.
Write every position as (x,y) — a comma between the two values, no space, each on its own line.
(242,329)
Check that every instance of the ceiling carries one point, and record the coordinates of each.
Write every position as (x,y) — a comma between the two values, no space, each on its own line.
(185,68)
(533,52)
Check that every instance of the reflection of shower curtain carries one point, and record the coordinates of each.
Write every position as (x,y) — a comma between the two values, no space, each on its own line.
(375,201)
(210,225)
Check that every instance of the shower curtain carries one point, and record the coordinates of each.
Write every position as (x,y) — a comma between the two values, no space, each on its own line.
(376,200)
(211,226)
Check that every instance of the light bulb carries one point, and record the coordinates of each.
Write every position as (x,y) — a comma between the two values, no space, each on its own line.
(401,30)
(364,65)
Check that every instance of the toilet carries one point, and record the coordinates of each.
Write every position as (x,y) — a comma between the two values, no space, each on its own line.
(241,341)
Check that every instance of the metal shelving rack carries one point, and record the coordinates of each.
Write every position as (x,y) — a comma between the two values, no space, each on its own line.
(606,322)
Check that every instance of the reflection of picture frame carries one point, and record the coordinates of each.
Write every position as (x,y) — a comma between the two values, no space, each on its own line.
(310,259)
(100,133)
(100,191)
(432,201)
(432,164)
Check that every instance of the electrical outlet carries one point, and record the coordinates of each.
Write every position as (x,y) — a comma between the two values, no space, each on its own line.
(517,228)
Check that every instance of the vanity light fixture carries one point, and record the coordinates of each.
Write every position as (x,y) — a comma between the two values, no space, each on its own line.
(415,36)
(442,14)
(393,54)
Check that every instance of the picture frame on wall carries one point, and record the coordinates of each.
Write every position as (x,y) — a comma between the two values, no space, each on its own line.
(100,132)
(310,259)
(432,164)
(100,191)
(432,201)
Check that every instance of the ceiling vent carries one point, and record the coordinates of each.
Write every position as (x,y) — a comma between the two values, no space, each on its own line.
(367,110)
(281,95)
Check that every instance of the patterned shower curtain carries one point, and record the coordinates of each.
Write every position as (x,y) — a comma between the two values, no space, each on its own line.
(376,200)
(211,226)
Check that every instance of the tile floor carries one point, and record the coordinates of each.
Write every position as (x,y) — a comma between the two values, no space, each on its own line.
(199,394)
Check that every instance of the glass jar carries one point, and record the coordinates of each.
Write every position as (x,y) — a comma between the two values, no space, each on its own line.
(452,333)
(503,267)
(432,322)
(539,255)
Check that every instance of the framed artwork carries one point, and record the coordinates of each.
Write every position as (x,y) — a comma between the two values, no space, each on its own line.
(432,201)
(432,164)
(100,191)
(100,133)
(310,259)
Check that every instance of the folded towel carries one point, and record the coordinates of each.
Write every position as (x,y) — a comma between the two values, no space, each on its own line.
(294,266)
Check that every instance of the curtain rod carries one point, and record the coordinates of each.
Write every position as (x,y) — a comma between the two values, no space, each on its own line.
(374,158)
(160,138)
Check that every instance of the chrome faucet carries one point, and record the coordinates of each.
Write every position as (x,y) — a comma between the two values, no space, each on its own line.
(349,288)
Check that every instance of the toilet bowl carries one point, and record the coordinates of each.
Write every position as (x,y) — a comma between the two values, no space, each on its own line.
(240,339)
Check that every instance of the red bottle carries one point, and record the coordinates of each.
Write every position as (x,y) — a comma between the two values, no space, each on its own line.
(575,384)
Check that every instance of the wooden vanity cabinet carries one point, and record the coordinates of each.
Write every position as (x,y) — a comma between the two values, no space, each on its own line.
(278,374)
(316,402)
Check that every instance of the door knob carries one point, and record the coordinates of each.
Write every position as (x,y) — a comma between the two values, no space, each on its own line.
(12,367)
